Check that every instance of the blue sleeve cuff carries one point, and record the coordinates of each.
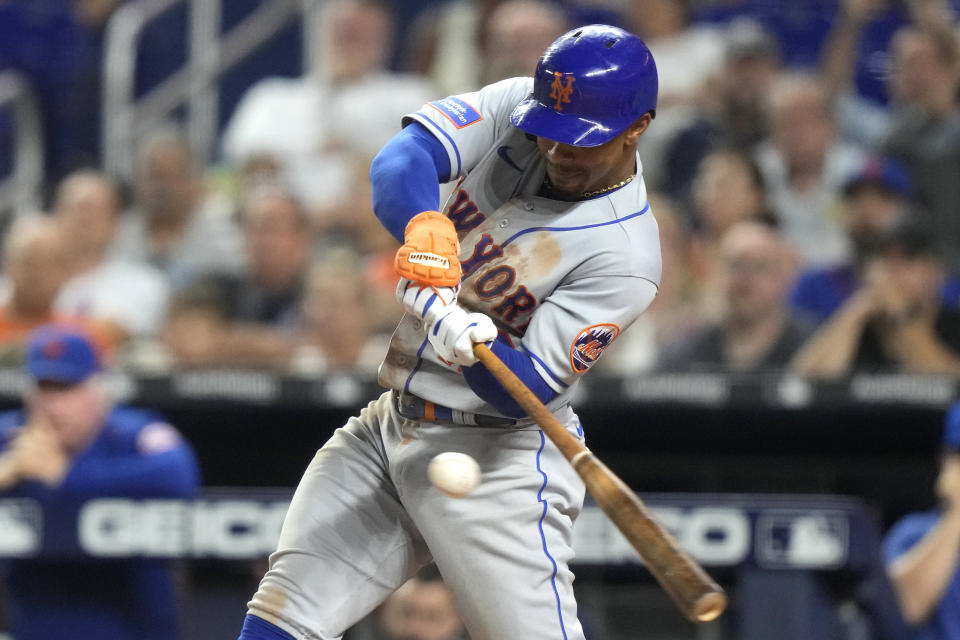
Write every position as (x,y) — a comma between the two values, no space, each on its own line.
(255,628)
(405,177)
(489,389)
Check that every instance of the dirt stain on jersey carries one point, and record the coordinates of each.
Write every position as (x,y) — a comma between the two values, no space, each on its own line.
(535,262)
(269,602)
(408,431)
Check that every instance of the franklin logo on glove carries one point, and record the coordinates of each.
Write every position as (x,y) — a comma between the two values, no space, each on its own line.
(430,259)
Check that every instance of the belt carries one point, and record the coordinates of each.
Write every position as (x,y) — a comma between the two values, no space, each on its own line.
(416,408)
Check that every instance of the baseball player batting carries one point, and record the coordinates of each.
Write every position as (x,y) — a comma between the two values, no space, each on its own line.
(546,250)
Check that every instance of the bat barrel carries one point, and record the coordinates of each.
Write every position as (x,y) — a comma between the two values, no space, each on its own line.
(709,606)
(696,594)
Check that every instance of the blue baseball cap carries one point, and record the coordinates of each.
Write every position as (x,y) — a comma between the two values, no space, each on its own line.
(57,353)
(881,172)
(951,428)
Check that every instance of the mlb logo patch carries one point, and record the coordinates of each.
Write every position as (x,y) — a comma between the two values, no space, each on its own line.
(590,343)
(457,111)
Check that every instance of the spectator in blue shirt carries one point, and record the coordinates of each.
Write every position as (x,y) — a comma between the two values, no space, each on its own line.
(874,197)
(70,444)
(922,551)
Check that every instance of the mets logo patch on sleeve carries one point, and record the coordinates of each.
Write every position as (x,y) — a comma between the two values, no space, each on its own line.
(157,437)
(457,111)
(590,343)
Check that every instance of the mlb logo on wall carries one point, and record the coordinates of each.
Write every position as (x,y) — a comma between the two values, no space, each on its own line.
(20,527)
(590,343)
(787,539)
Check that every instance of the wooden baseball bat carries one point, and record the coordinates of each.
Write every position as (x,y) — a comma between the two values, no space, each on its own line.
(698,596)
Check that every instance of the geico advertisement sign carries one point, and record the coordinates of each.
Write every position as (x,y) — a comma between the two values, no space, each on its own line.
(801,538)
(712,535)
(225,528)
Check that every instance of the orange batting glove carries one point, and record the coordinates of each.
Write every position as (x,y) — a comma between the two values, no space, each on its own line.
(430,252)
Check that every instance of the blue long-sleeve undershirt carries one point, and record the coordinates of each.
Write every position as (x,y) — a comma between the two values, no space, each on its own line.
(405,176)
(255,628)
(489,389)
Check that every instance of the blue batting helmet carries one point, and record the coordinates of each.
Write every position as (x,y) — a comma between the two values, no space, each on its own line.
(590,85)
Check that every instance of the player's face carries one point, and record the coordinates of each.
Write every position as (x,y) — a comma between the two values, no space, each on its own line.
(868,211)
(574,171)
(277,239)
(756,272)
(74,412)
(38,270)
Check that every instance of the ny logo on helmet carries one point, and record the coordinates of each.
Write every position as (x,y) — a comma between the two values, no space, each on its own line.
(560,92)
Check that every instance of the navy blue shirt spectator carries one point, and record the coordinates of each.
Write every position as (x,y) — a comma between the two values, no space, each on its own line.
(67,445)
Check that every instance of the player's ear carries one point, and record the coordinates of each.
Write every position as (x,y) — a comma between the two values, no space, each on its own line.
(635,130)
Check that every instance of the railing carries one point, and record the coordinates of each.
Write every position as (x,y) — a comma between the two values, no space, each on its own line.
(20,192)
(127,117)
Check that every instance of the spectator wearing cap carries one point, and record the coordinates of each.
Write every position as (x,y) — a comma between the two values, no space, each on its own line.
(895,320)
(922,550)
(875,196)
(70,444)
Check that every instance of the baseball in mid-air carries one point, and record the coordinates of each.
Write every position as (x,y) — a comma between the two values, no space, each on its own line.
(455,474)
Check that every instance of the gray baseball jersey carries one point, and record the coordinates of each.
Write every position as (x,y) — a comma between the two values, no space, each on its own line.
(561,279)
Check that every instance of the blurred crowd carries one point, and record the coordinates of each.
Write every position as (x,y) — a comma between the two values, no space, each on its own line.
(803,168)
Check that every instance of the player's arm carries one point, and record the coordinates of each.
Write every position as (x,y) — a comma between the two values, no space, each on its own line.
(566,335)
(452,331)
(487,387)
(160,464)
(921,567)
(921,575)
(830,352)
(405,176)
(440,142)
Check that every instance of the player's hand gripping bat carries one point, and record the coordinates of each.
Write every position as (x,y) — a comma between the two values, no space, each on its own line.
(698,596)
